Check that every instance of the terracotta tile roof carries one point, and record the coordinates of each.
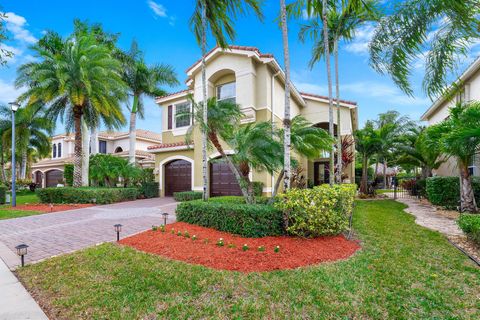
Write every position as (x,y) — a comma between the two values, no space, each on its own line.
(247,48)
(146,134)
(138,153)
(326,98)
(167,145)
(173,93)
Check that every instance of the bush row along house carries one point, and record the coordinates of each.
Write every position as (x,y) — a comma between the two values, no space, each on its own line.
(468,90)
(49,172)
(256,82)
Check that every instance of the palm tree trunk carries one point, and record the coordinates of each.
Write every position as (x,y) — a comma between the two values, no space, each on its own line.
(467,197)
(329,80)
(23,165)
(364,181)
(339,137)
(286,118)
(77,153)
(94,141)
(376,170)
(277,185)
(85,153)
(384,173)
(3,178)
(204,102)
(133,132)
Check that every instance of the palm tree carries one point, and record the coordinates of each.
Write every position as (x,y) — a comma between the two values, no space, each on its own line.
(216,15)
(32,130)
(456,138)
(143,80)
(80,78)
(438,31)
(367,143)
(342,23)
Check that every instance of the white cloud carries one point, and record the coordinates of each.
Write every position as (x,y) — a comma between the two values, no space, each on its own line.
(8,92)
(17,26)
(362,38)
(158,9)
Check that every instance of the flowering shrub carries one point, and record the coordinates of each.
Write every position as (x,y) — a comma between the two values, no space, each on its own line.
(154,228)
(323,210)
(162,228)
(245,247)
(261,248)
(276,249)
(194,237)
(220,242)
(179,233)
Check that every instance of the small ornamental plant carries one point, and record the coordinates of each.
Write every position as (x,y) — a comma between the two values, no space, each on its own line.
(179,233)
(231,245)
(186,234)
(162,228)
(220,242)
(276,249)
(261,248)
(245,247)
(172,231)
(154,228)
(206,241)
(194,237)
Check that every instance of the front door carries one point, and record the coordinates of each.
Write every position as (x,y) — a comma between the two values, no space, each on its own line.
(321,174)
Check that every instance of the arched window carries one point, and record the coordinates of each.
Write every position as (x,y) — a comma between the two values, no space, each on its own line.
(59,151)
(118,150)
(54,150)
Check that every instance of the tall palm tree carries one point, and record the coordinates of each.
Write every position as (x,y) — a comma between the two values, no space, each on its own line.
(32,130)
(216,15)
(80,78)
(343,18)
(456,138)
(440,32)
(143,80)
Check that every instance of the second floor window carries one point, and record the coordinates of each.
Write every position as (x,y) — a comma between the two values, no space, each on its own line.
(102,146)
(182,115)
(54,151)
(59,150)
(227,92)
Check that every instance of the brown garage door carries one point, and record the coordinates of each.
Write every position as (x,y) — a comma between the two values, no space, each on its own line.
(178,177)
(222,180)
(53,177)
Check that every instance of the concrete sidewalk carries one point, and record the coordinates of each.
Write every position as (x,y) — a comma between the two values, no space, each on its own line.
(15,302)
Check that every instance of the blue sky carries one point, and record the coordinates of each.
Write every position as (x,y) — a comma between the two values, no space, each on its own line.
(162,30)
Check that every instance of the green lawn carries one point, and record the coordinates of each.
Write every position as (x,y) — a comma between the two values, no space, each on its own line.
(403,272)
(23,197)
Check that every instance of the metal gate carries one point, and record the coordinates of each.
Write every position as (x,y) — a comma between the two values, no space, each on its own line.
(406,188)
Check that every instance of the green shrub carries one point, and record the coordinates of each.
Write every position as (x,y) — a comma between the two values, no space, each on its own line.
(86,195)
(149,189)
(3,194)
(257,188)
(238,199)
(445,191)
(68,174)
(187,195)
(255,220)
(470,224)
(421,186)
(323,210)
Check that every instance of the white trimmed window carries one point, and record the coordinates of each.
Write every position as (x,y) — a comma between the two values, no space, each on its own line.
(183,117)
(227,92)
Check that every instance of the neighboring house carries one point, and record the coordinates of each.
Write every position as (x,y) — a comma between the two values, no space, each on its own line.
(469,90)
(256,82)
(49,172)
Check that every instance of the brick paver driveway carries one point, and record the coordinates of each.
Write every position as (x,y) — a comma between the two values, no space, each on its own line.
(61,232)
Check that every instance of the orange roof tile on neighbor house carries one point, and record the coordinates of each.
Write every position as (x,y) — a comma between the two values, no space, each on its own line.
(168,145)
(326,98)
(173,93)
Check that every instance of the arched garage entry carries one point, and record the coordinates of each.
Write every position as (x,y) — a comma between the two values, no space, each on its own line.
(222,180)
(178,176)
(53,177)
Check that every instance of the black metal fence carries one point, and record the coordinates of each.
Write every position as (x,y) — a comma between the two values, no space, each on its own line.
(406,188)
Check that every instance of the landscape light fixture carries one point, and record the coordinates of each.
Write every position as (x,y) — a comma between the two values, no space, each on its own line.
(165,217)
(118,229)
(14,106)
(22,251)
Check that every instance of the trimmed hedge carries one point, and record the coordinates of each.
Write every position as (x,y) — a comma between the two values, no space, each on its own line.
(187,196)
(3,194)
(149,189)
(445,191)
(68,174)
(86,195)
(470,224)
(238,199)
(246,220)
(321,211)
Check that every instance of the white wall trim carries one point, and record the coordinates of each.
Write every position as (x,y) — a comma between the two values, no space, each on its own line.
(165,161)
(177,148)
(217,154)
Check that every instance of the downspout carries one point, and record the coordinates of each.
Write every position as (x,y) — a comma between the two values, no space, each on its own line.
(272,119)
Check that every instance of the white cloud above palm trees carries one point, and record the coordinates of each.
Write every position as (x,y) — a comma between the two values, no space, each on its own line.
(159,10)
(16,25)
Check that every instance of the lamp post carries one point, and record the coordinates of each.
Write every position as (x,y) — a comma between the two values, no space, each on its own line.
(14,106)
(165,217)
(22,251)
(118,228)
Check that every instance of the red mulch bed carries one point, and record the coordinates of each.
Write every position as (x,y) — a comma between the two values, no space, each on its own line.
(41,207)
(294,252)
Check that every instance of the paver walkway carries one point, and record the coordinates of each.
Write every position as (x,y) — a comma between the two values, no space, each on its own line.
(426,217)
(56,233)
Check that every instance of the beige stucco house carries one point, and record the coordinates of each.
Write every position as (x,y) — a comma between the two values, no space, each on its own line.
(49,172)
(469,90)
(256,82)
